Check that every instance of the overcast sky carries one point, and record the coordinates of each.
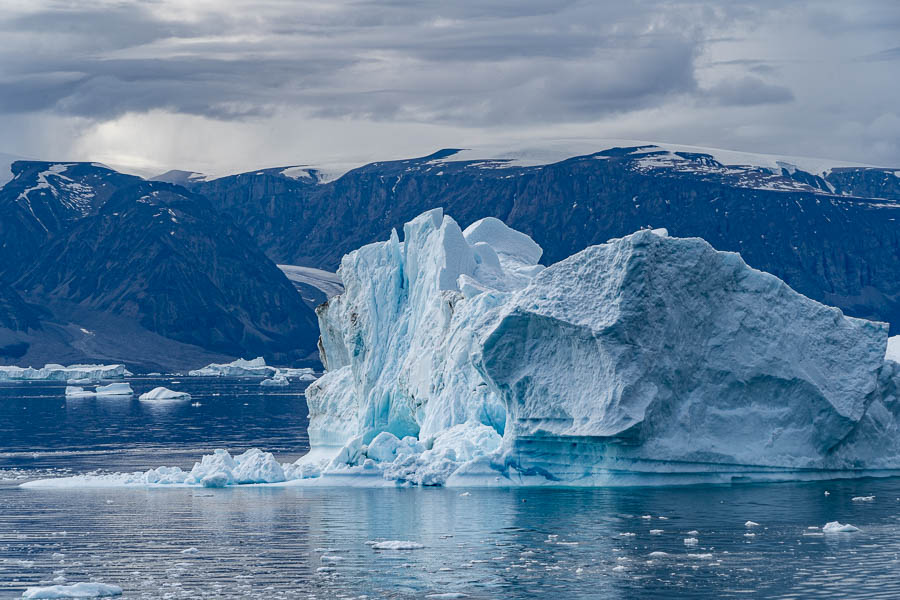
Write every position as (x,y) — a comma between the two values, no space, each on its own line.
(229,85)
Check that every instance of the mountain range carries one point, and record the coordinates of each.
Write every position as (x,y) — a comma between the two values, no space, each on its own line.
(100,265)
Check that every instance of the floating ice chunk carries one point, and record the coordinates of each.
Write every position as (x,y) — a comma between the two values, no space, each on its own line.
(113,389)
(190,550)
(836,527)
(277,380)
(863,499)
(701,556)
(693,532)
(397,545)
(751,524)
(827,493)
(691,541)
(658,554)
(54,372)
(162,393)
(303,374)
(76,590)
(619,568)
(748,534)
(238,368)
(656,531)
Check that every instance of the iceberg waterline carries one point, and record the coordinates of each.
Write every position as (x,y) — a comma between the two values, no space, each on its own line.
(454,358)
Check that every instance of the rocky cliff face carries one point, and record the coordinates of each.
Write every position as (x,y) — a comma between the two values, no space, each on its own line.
(107,255)
(831,235)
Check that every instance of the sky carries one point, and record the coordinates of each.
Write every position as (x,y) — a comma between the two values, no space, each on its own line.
(222,86)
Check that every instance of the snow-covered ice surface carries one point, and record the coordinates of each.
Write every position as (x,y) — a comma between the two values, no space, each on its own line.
(454,358)
(325,281)
(54,372)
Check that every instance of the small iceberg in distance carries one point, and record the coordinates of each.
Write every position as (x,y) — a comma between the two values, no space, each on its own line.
(238,368)
(113,389)
(163,393)
(278,380)
(54,372)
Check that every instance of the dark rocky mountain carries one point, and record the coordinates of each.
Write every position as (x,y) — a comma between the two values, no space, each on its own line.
(832,235)
(43,199)
(143,272)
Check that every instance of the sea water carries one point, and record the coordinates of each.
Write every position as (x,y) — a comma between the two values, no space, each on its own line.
(257,542)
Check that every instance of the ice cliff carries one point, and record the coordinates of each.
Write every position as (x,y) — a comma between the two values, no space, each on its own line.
(645,355)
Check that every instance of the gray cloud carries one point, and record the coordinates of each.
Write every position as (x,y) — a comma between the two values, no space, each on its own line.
(700,72)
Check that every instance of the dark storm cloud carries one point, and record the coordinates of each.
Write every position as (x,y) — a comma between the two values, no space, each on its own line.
(463,62)
(748,91)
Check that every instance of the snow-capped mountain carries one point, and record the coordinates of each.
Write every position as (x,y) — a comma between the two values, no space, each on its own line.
(110,257)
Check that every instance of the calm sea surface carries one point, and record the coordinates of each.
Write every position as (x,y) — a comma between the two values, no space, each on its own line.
(307,543)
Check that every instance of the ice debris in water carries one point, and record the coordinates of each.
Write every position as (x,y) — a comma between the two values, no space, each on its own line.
(238,368)
(76,590)
(863,499)
(691,541)
(397,545)
(751,524)
(163,393)
(836,527)
(276,380)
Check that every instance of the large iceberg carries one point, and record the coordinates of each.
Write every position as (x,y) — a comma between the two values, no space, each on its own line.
(648,356)
(54,372)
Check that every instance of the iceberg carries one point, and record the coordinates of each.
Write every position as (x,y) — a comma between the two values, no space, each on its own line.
(163,393)
(277,380)
(238,368)
(645,358)
(54,372)
(113,389)
(454,358)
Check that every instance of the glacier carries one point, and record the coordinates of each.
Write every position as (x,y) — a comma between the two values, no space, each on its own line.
(454,358)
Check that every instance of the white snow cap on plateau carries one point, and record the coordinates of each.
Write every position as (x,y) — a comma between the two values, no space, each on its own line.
(453,358)
(532,154)
(53,372)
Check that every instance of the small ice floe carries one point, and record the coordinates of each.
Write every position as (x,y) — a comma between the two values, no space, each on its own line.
(397,545)
(331,558)
(647,517)
(827,493)
(58,556)
(658,554)
(76,590)
(751,524)
(190,550)
(750,535)
(627,534)
(702,556)
(163,393)
(466,494)
(691,541)
(656,531)
(836,527)
(693,532)
(863,499)
(619,568)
